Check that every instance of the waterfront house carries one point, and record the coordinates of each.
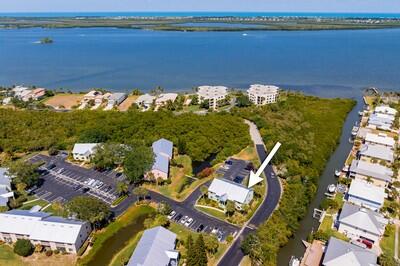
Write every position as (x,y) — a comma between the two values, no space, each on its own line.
(342,253)
(376,151)
(20,91)
(313,254)
(115,99)
(222,190)
(263,94)
(381,121)
(5,187)
(378,174)
(366,194)
(41,228)
(361,223)
(212,94)
(38,94)
(155,247)
(84,151)
(163,151)
(383,109)
(381,139)
(145,101)
(163,98)
(92,95)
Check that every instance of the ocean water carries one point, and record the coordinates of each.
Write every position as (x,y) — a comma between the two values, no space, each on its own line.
(122,59)
(200,14)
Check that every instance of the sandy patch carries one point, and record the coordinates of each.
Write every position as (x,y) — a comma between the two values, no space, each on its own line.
(124,106)
(66,100)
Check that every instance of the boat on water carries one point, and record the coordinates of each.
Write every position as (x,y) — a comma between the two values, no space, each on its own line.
(244,34)
(361,113)
(337,173)
(294,261)
(331,188)
(354,131)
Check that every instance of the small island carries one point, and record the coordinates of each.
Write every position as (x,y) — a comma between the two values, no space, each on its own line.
(46,40)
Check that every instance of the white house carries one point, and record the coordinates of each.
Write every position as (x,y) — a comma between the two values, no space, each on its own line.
(41,228)
(163,98)
(263,94)
(145,101)
(155,247)
(342,253)
(366,194)
(115,99)
(84,151)
(377,151)
(213,94)
(222,190)
(381,139)
(5,187)
(358,222)
(163,151)
(383,109)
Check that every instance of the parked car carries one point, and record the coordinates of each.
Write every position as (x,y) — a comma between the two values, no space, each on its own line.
(228,162)
(172,214)
(99,184)
(214,230)
(85,189)
(178,217)
(200,228)
(365,242)
(188,221)
(184,219)
(50,166)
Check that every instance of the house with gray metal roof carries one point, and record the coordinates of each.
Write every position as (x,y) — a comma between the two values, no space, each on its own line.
(366,194)
(115,99)
(5,187)
(155,248)
(222,190)
(358,222)
(84,151)
(41,228)
(163,151)
(341,253)
(377,151)
(379,174)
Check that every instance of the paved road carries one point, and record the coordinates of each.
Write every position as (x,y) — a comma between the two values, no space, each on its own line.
(234,255)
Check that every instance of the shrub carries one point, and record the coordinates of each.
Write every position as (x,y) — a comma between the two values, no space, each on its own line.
(38,248)
(23,247)
(56,251)
(49,252)
(205,172)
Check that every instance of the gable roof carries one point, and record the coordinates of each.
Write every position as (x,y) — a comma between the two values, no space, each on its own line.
(380,139)
(5,180)
(229,190)
(377,151)
(371,169)
(340,253)
(363,219)
(145,98)
(161,163)
(364,190)
(84,148)
(385,110)
(163,146)
(153,248)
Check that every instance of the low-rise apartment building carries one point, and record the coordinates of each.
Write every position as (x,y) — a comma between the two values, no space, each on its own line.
(41,228)
(222,190)
(5,188)
(213,94)
(163,98)
(163,151)
(84,151)
(263,94)
(145,101)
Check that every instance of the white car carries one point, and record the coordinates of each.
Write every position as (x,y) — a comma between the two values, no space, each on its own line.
(171,215)
(183,221)
(188,222)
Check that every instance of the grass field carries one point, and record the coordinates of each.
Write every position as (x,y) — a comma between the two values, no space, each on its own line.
(67,100)
(326,226)
(124,106)
(29,205)
(387,242)
(7,256)
(217,214)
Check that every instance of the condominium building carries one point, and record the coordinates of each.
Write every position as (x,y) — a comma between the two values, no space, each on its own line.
(263,94)
(41,228)
(214,94)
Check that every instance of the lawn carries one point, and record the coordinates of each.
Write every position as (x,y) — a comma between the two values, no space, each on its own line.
(213,212)
(326,226)
(29,205)
(387,242)
(248,154)
(7,256)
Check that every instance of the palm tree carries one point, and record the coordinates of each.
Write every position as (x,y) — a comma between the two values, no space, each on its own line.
(203,190)
(140,193)
(122,188)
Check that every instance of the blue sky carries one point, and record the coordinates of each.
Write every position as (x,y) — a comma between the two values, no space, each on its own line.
(369,6)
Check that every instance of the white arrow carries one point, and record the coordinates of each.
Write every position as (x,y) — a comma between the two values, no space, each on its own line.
(255,177)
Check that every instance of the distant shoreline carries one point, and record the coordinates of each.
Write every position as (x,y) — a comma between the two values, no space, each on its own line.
(203,23)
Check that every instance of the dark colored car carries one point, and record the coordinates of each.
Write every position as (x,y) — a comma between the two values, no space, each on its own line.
(50,166)
(85,189)
(238,179)
(200,228)
(178,217)
(228,162)
(249,167)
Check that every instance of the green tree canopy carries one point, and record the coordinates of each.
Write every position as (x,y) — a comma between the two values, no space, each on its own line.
(88,209)
(109,155)
(137,162)
(23,172)
(23,247)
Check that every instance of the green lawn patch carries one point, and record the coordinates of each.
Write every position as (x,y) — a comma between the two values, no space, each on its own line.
(387,242)
(213,212)
(29,205)
(8,257)
(119,200)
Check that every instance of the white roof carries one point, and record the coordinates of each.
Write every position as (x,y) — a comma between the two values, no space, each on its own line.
(385,110)
(164,97)
(377,151)
(363,219)
(210,92)
(40,226)
(380,139)
(371,169)
(231,190)
(145,98)
(263,90)
(367,191)
(93,93)
(19,89)
(84,148)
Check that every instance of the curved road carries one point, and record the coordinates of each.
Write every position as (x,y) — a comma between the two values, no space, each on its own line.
(234,254)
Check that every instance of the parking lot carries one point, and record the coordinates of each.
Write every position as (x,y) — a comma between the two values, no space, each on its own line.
(62,181)
(235,170)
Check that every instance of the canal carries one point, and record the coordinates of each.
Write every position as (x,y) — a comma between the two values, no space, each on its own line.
(294,246)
